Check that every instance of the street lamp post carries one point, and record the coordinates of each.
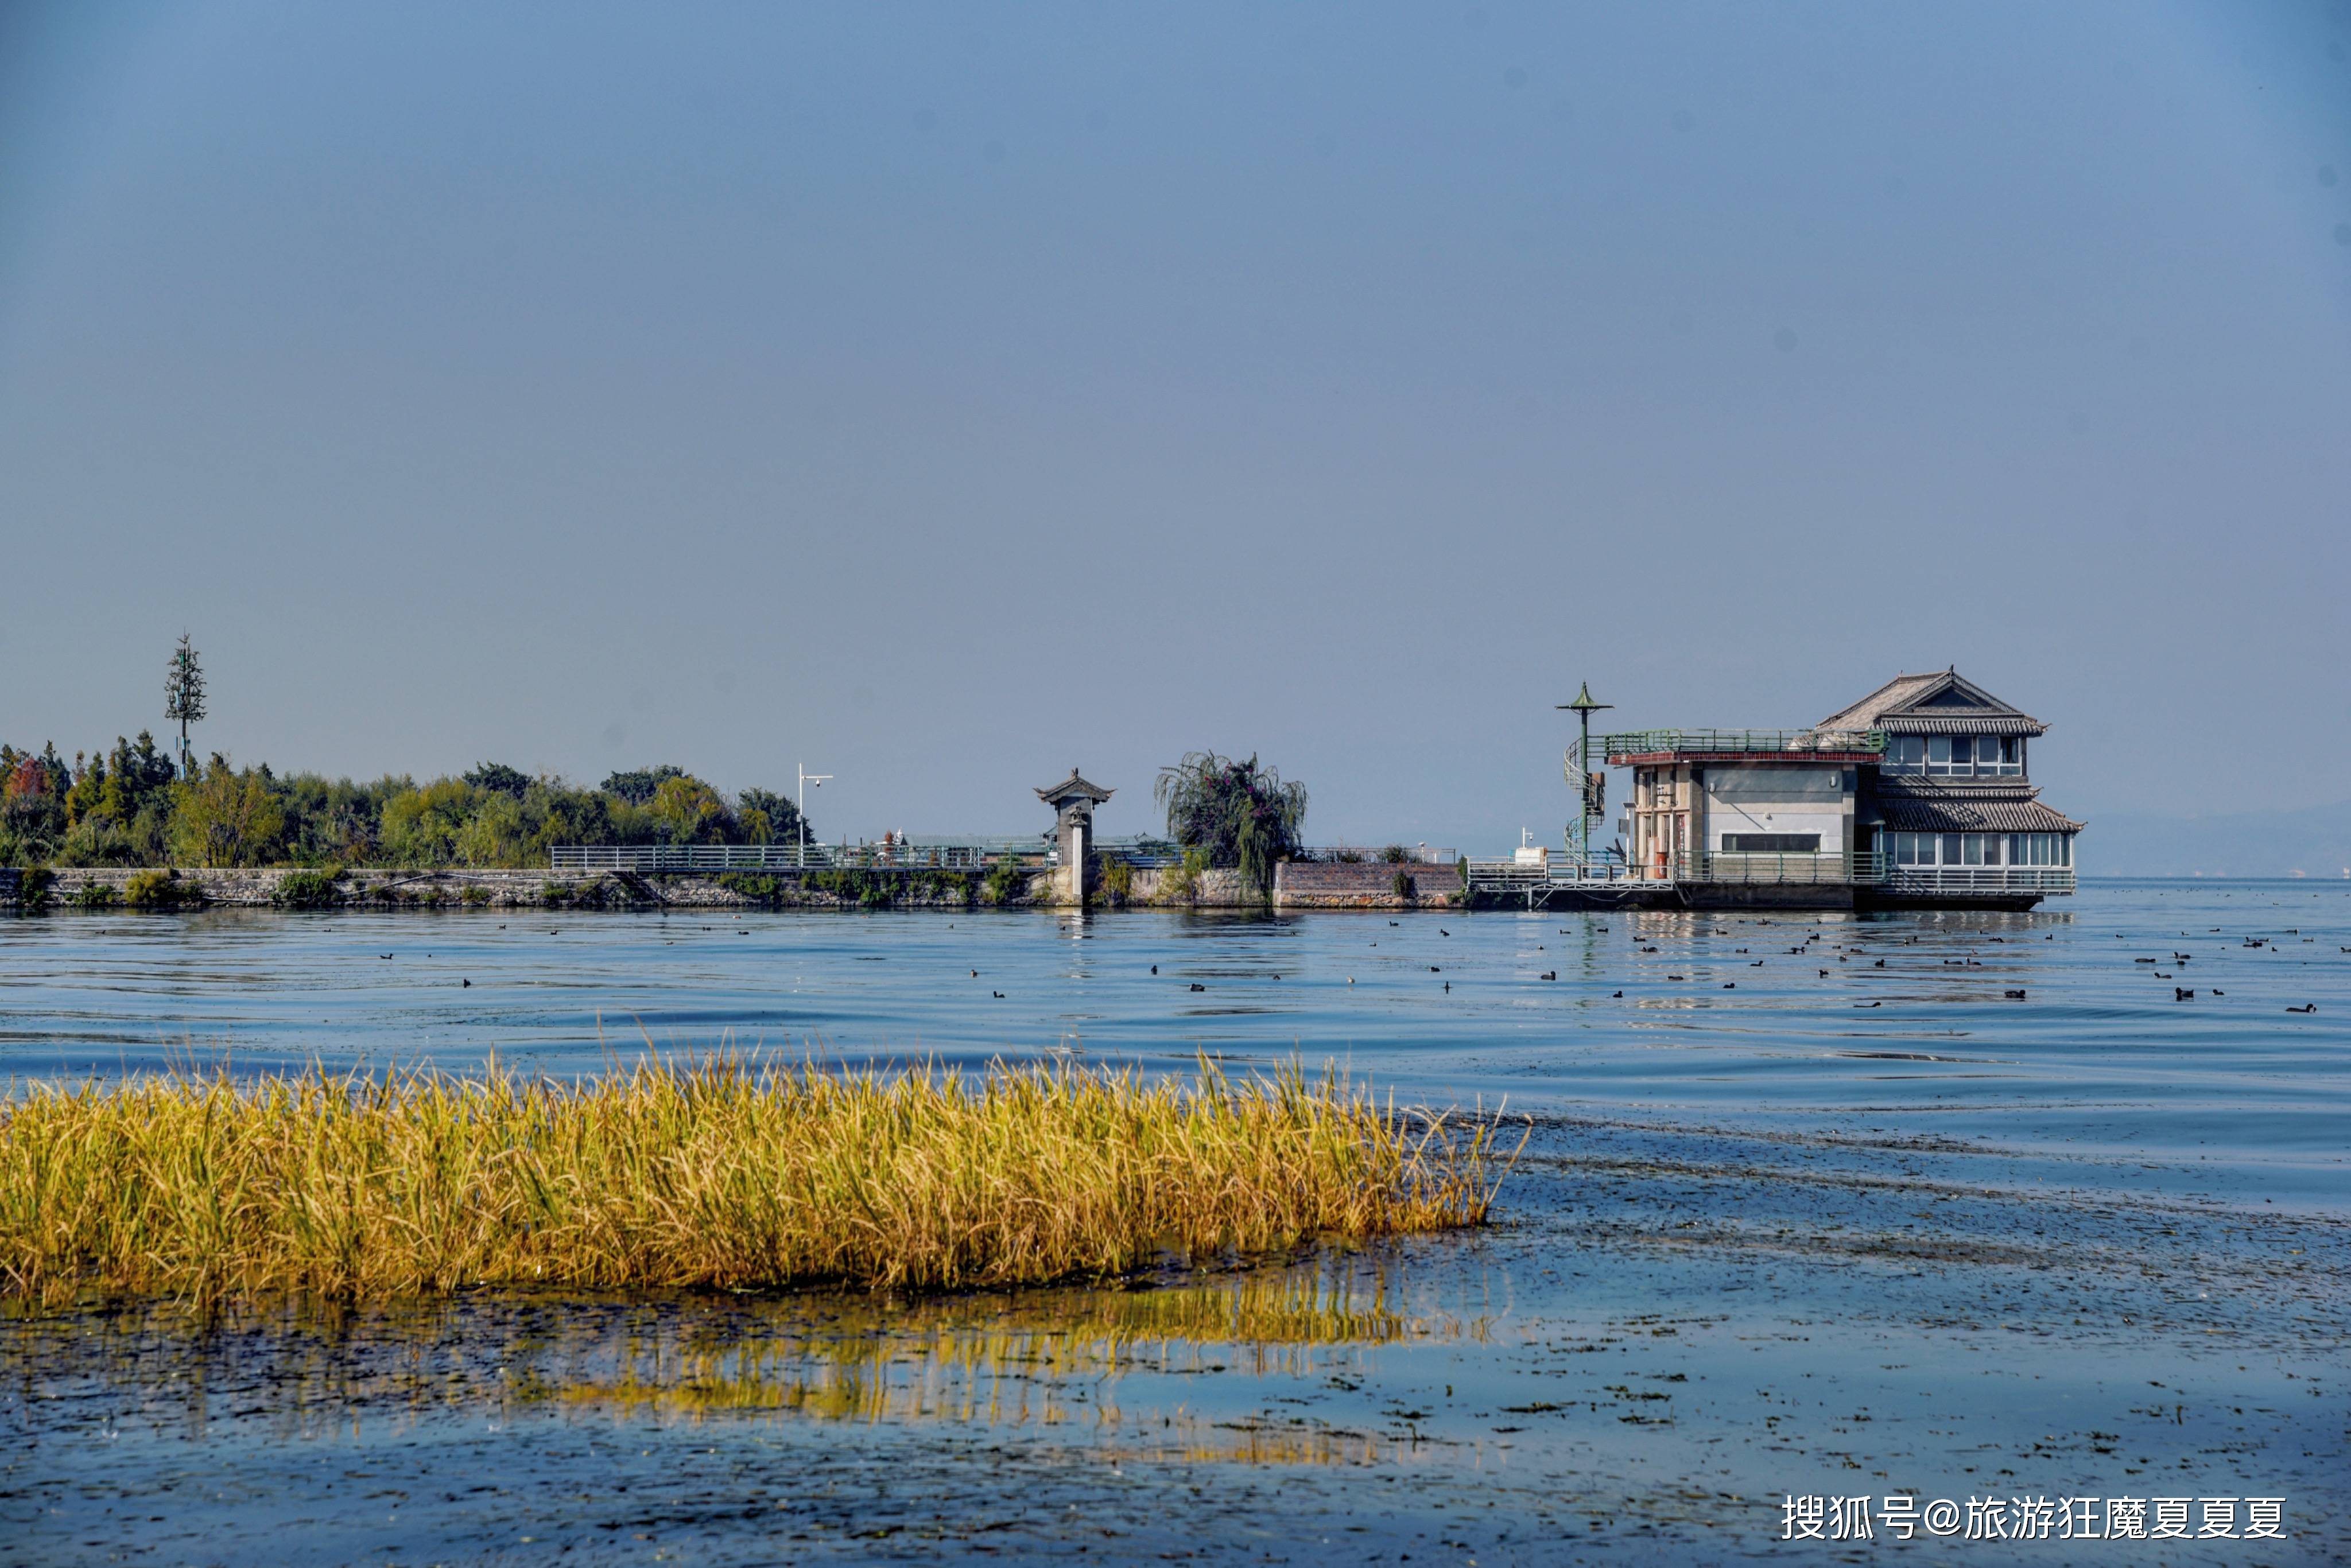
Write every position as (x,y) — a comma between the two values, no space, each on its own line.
(1584,707)
(808,782)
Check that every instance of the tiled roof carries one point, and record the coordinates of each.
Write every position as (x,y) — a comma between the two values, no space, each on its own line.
(1911,814)
(1071,788)
(1942,703)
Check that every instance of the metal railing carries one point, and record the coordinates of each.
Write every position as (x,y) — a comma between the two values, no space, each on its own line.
(1655,742)
(944,854)
(1861,867)
(1375,854)
(1516,875)
(1968,879)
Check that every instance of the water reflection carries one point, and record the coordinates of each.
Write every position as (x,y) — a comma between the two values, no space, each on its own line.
(1172,1370)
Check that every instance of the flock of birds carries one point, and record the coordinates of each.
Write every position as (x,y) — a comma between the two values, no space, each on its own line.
(1805,949)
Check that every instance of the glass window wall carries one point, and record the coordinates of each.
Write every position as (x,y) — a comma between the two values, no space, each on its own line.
(1954,756)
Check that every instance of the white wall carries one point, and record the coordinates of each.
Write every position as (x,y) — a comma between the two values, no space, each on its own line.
(1807,799)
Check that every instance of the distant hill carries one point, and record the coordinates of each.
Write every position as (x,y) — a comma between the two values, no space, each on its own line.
(2315,842)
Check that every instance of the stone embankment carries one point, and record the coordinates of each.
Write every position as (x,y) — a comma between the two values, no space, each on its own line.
(1296,886)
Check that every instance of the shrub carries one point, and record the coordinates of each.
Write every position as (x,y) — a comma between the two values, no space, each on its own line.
(1406,888)
(768,890)
(473,895)
(308,889)
(1395,854)
(96,896)
(1117,880)
(1181,883)
(160,890)
(33,889)
(1006,880)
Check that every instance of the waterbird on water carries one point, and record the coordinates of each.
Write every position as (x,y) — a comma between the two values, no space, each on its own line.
(1198,987)
(997,994)
(2305,1008)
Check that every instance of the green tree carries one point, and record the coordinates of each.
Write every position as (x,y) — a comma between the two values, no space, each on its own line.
(420,827)
(637,785)
(691,812)
(221,817)
(497,776)
(768,817)
(184,696)
(1242,814)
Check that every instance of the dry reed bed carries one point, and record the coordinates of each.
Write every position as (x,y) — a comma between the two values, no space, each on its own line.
(717,1172)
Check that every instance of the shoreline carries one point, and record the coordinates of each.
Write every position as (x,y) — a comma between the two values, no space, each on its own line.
(109,890)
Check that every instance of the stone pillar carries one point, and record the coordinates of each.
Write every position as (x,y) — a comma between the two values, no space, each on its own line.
(1077,843)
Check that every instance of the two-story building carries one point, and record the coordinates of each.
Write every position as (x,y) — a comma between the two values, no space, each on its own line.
(1949,807)
(1916,795)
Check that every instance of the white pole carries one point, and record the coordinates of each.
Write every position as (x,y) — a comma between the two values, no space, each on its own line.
(808,781)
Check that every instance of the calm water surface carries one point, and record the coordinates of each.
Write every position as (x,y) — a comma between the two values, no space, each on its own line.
(1903,1021)
(1812,1206)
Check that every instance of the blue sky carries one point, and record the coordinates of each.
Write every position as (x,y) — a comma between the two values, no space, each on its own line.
(943,396)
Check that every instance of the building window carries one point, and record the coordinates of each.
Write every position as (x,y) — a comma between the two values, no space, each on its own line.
(1771,843)
(1939,756)
(1905,753)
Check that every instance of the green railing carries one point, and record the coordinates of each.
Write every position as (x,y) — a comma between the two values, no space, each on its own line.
(1652,742)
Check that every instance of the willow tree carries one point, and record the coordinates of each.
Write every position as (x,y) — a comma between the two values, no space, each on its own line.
(1242,814)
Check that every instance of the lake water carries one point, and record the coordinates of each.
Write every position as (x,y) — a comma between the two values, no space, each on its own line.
(1812,1206)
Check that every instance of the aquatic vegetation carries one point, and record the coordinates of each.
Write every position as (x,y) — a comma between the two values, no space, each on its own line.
(718,1171)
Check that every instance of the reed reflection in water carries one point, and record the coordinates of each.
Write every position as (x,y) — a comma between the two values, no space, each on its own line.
(1153,1371)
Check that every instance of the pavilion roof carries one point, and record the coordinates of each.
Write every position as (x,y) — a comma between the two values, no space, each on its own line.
(1073,788)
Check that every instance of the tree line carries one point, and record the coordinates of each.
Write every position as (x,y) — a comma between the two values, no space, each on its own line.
(132,805)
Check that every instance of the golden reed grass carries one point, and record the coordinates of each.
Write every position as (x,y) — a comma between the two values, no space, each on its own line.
(710,1172)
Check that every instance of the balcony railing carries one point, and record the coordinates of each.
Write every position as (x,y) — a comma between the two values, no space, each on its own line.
(1716,742)
(1980,879)
(1720,866)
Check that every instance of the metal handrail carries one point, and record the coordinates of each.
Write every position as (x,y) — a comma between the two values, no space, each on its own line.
(2056,879)
(1652,742)
(966,854)
(1858,867)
